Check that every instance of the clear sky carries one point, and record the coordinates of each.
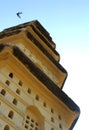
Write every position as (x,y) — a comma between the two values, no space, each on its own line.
(67,21)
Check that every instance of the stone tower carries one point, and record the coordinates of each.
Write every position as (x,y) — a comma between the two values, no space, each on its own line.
(31,82)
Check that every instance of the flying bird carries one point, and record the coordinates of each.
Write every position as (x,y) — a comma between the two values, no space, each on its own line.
(18,14)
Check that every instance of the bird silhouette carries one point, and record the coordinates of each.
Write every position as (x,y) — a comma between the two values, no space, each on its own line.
(18,14)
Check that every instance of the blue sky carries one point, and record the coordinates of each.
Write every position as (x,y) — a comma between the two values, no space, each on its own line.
(67,21)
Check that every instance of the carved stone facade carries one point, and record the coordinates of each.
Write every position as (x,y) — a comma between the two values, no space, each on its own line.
(31,82)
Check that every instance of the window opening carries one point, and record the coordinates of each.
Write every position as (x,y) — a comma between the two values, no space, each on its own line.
(18,91)
(11,75)
(37,97)
(52,119)
(36,128)
(32,120)
(60,126)
(3,92)
(28,117)
(44,104)
(11,114)
(14,101)
(20,83)
(29,90)
(7,82)
(52,128)
(36,124)
(27,121)
(52,110)
(26,126)
(59,117)
(6,127)
(31,125)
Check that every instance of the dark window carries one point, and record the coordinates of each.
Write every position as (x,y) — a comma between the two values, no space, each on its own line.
(27,121)
(44,104)
(26,126)
(11,114)
(18,91)
(52,119)
(6,127)
(28,117)
(3,92)
(52,128)
(7,82)
(20,83)
(14,101)
(29,90)
(36,128)
(37,97)
(11,75)
(60,126)
(52,110)
(59,117)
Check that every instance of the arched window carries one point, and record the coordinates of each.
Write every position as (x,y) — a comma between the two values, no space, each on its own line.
(14,101)
(7,82)
(59,117)
(60,126)
(52,119)
(3,92)
(20,83)
(6,127)
(11,114)
(18,91)
(37,97)
(29,90)
(52,111)
(44,104)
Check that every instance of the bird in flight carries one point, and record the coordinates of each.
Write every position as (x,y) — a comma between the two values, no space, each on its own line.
(18,14)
